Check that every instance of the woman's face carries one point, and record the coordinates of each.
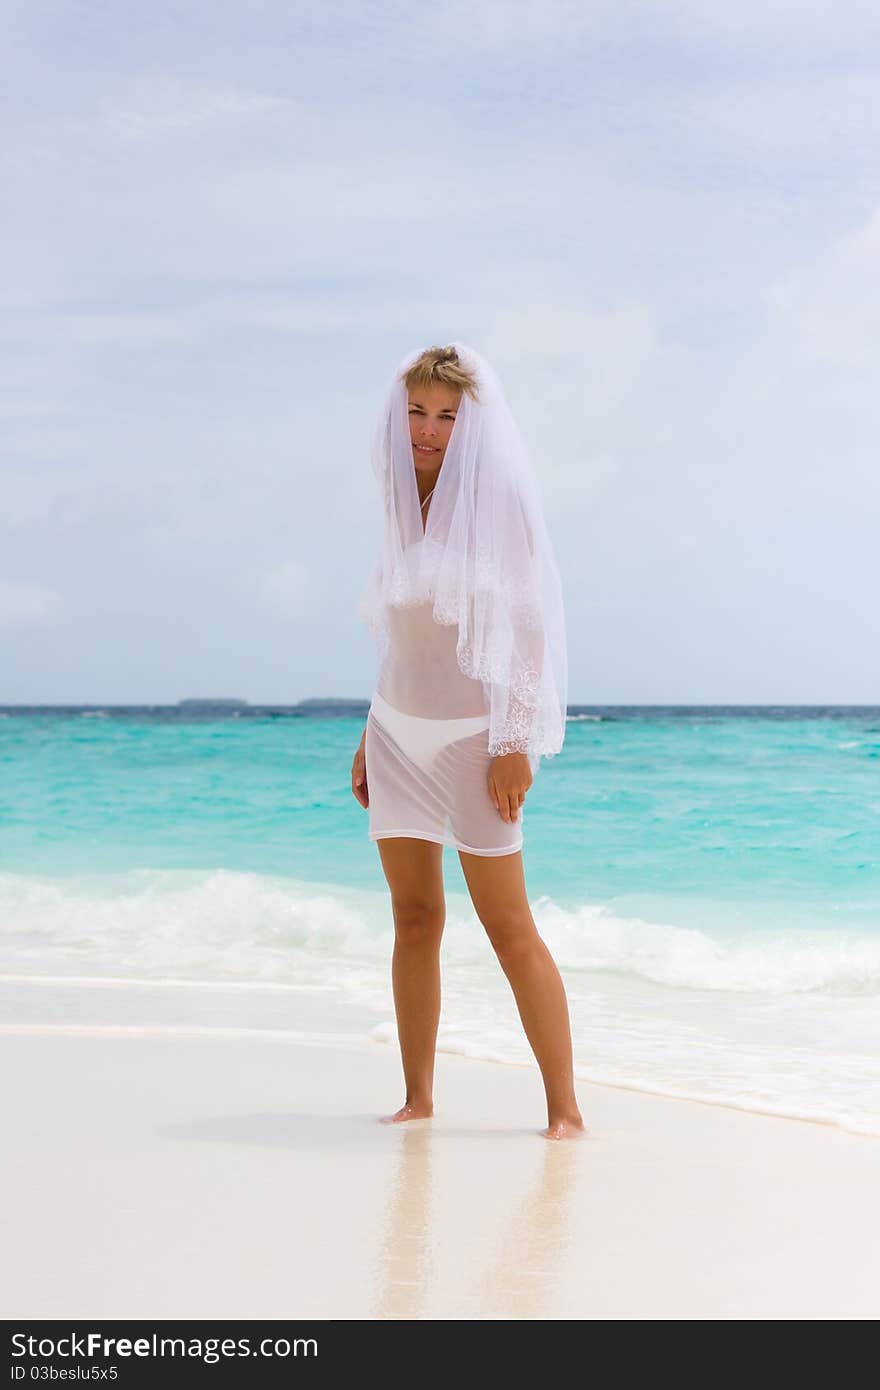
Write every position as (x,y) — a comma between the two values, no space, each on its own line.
(432,411)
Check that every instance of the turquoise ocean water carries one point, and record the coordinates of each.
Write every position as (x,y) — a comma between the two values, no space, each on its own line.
(708,881)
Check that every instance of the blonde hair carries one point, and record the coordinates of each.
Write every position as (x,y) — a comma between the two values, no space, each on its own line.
(441,366)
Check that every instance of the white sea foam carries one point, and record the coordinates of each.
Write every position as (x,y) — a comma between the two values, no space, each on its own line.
(782,1020)
(225,925)
(759,961)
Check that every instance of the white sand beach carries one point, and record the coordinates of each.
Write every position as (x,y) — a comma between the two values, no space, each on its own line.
(151,1172)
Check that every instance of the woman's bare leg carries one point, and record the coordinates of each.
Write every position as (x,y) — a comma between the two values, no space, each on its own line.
(414,871)
(497,887)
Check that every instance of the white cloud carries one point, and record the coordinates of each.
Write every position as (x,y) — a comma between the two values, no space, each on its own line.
(29,605)
(123,329)
(828,315)
(595,391)
(645,215)
(286,589)
(155,105)
(808,394)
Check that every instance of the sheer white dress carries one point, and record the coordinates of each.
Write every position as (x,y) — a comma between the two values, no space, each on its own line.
(427,743)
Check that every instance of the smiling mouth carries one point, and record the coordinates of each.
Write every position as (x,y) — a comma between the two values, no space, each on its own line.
(425,449)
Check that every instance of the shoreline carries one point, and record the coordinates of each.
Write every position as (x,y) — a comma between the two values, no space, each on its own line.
(374,1033)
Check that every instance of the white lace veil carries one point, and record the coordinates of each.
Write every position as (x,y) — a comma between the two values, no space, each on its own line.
(485,559)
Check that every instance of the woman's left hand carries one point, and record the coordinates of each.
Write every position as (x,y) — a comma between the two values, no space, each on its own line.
(510,776)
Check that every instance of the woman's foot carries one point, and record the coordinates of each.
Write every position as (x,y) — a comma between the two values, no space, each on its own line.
(410,1111)
(568,1127)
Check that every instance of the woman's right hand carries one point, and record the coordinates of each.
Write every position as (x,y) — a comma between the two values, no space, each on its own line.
(359,773)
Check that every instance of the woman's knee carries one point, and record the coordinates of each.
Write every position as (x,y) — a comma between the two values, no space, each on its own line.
(419,922)
(513,937)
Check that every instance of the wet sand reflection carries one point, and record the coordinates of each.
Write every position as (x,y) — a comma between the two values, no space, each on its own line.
(505,1266)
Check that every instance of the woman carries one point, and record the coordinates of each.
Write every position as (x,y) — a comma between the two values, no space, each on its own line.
(465,603)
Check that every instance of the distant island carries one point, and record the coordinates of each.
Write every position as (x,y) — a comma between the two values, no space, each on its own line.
(316,704)
(212,704)
(329,700)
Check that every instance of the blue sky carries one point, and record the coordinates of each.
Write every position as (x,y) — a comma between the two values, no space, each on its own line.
(226,223)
